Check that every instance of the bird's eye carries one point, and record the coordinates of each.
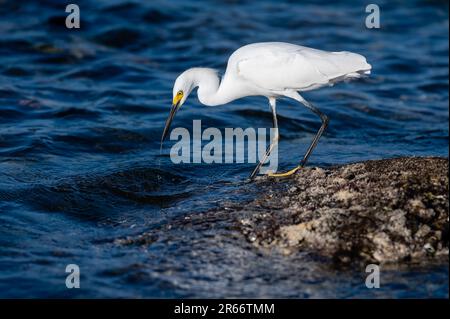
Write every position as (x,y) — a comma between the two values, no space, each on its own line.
(180,93)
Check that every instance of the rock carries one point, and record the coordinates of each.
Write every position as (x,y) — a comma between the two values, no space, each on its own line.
(381,211)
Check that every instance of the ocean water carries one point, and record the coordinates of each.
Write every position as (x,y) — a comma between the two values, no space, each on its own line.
(82,180)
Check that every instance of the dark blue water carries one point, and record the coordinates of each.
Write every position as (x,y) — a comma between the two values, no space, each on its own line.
(82,112)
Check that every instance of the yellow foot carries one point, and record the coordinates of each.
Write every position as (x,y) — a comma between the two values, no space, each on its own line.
(288,173)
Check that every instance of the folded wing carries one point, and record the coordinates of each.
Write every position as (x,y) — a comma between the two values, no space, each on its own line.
(278,67)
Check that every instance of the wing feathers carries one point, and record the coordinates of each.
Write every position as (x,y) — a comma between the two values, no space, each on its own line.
(280,68)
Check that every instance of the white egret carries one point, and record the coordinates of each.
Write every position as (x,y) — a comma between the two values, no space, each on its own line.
(273,70)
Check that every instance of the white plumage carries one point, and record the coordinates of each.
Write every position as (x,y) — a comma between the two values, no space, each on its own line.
(270,69)
(278,66)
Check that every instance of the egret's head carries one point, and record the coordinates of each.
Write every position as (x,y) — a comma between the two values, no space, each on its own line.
(181,90)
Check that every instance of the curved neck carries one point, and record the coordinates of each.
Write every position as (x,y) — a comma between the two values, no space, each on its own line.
(211,91)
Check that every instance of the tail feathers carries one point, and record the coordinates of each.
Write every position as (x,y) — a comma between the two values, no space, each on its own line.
(353,66)
(352,62)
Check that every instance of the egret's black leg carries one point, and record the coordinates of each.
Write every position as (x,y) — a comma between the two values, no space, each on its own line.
(272,102)
(316,138)
(325,120)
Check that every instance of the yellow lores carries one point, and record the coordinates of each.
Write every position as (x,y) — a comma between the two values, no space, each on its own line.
(177,98)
